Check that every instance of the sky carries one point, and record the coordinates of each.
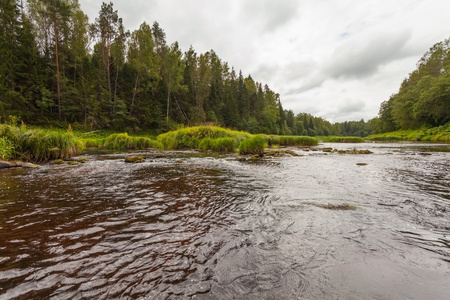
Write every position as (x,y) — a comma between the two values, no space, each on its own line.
(335,59)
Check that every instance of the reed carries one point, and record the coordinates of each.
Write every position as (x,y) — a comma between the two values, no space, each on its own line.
(297,141)
(221,145)
(41,145)
(191,137)
(6,148)
(343,139)
(253,145)
(122,141)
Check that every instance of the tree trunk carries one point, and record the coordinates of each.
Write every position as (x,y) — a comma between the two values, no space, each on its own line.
(134,95)
(58,87)
(168,101)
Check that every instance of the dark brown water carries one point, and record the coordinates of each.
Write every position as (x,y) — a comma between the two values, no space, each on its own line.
(187,227)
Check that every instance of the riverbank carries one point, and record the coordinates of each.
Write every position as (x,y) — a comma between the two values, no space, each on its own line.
(43,145)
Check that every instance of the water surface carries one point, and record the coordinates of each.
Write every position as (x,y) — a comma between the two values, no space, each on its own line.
(191,227)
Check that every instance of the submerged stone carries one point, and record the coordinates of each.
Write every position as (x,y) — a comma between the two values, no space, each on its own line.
(134,159)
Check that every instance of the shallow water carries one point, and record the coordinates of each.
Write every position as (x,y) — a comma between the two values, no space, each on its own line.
(192,227)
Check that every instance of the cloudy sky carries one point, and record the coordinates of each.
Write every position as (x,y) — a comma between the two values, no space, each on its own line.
(336,59)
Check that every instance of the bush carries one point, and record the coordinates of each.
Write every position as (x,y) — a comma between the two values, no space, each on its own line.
(253,145)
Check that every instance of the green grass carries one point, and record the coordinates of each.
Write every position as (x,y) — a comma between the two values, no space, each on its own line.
(435,134)
(342,139)
(40,144)
(253,145)
(191,137)
(6,148)
(122,141)
(221,145)
(297,141)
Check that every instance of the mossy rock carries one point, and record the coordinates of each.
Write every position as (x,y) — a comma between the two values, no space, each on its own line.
(29,165)
(134,159)
(327,149)
(57,161)
(83,160)
(159,155)
(73,163)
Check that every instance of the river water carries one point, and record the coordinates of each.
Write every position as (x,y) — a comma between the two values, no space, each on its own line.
(186,226)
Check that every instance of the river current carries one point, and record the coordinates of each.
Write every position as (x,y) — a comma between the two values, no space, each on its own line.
(185,226)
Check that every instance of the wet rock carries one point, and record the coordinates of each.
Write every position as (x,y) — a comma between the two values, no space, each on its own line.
(134,159)
(361,164)
(5,164)
(327,149)
(29,165)
(160,155)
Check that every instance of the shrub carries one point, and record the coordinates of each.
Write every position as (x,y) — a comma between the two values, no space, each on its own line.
(253,145)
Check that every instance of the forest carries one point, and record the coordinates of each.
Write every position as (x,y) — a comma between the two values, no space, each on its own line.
(423,99)
(57,68)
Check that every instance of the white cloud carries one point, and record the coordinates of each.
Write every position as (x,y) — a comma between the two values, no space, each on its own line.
(323,57)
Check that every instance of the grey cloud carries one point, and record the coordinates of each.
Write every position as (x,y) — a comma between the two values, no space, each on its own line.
(272,14)
(359,59)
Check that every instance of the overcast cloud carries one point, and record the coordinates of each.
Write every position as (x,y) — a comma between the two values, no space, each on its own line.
(336,59)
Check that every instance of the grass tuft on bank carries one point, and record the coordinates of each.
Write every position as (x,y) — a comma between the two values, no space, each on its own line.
(191,137)
(38,145)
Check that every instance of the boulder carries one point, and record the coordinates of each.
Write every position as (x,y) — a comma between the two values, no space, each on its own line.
(5,164)
(134,159)
(29,165)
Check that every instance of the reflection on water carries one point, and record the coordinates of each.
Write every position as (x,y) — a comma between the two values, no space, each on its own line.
(188,227)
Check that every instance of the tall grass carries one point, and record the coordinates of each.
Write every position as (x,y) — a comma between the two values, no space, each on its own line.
(343,139)
(191,137)
(122,141)
(41,145)
(6,148)
(253,145)
(297,141)
(221,145)
(435,134)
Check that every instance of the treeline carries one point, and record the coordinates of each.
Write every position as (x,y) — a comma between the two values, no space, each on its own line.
(56,66)
(423,99)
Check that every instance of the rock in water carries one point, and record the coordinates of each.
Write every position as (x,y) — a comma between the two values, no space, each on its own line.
(5,164)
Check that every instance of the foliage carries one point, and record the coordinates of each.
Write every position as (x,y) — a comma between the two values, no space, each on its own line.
(297,141)
(122,141)
(41,145)
(190,137)
(253,145)
(6,148)
(343,139)
(423,98)
(434,134)
(221,145)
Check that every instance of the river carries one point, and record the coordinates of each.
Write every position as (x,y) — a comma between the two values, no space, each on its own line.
(186,226)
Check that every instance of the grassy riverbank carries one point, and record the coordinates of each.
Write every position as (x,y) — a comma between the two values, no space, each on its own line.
(435,134)
(40,145)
